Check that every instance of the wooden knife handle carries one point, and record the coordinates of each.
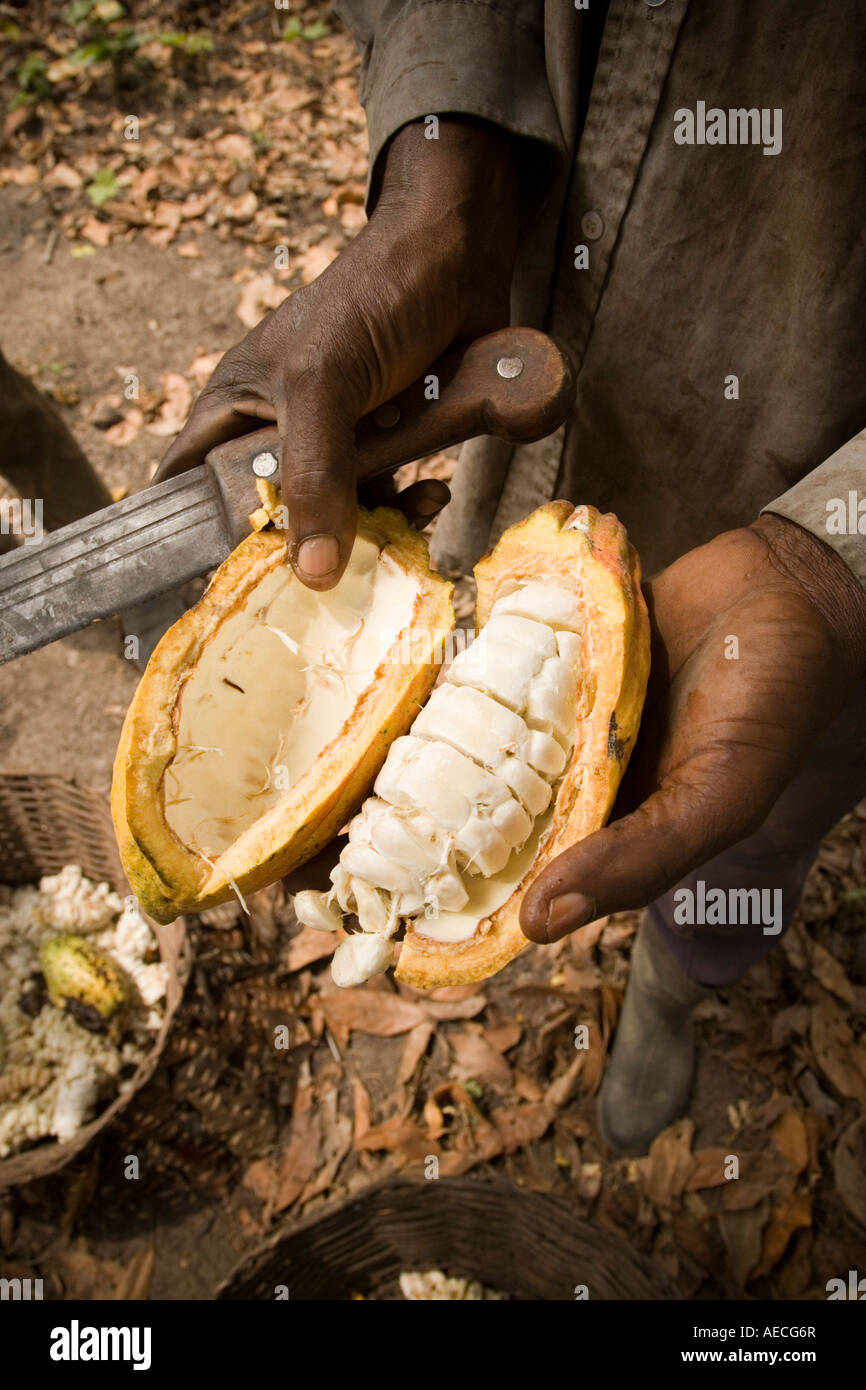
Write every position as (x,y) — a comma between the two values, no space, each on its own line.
(515,384)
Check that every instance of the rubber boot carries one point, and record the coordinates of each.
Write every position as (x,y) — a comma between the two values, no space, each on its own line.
(649,1076)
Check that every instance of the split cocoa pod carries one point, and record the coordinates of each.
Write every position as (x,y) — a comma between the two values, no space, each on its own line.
(269,712)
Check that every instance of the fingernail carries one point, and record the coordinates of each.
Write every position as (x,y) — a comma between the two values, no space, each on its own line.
(318,556)
(569,910)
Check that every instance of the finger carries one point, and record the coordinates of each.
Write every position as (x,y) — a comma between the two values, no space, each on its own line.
(635,860)
(419,503)
(212,422)
(318,480)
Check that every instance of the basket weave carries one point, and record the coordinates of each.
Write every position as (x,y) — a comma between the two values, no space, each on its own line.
(526,1244)
(46,822)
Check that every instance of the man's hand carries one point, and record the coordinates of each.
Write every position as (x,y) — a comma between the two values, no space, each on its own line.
(722,734)
(433,266)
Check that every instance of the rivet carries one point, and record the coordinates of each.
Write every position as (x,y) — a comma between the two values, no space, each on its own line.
(509,367)
(265,465)
(387,415)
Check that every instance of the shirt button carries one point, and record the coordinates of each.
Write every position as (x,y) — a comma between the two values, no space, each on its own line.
(592,225)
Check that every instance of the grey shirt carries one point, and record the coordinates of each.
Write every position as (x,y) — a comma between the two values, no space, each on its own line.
(717,314)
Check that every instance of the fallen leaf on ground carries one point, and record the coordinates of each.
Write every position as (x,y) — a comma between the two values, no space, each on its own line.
(126,430)
(668,1166)
(444,1009)
(298,1163)
(830,973)
(476,1060)
(175,407)
(792,1139)
(258,296)
(401,1134)
(709,1169)
(795,1212)
(361,1099)
(832,1039)
(521,1124)
(413,1049)
(137,1277)
(201,368)
(308,946)
(367,1011)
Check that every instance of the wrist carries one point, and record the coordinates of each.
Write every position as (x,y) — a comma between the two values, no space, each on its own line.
(468,173)
(825,580)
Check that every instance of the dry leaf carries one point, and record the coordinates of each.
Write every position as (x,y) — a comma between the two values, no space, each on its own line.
(831,1038)
(138,1276)
(503,1036)
(795,1212)
(201,368)
(96,232)
(667,1168)
(362,1110)
(849,1169)
(258,296)
(413,1050)
(400,1135)
(368,1011)
(518,1125)
(443,1009)
(709,1169)
(63,176)
(309,946)
(298,1163)
(792,1139)
(313,261)
(124,432)
(175,407)
(476,1060)
(830,973)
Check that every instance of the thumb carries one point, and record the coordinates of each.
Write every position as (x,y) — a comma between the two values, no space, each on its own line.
(319,486)
(635,860)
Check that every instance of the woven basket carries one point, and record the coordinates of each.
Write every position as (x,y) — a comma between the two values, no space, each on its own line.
(46,822)
(522,1243)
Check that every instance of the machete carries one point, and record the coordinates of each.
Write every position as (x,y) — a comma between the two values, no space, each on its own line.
(515,384)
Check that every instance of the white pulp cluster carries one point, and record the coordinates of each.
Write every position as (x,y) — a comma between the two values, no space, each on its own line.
(461,792)
(53,1072)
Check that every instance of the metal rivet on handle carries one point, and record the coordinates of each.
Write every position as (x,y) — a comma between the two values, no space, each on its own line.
(386,415)
(509,367)
(265,465)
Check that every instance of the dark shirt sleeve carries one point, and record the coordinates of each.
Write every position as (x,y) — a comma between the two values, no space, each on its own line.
(467,57)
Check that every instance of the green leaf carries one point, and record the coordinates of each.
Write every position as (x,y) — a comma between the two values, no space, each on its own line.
(293,29)
(32,79)
(316,31)
(79,251)
(77,11)
(474,1089)
(103,188)
(190,43)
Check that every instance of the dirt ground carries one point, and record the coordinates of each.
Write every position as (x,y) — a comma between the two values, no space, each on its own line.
(259,141)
